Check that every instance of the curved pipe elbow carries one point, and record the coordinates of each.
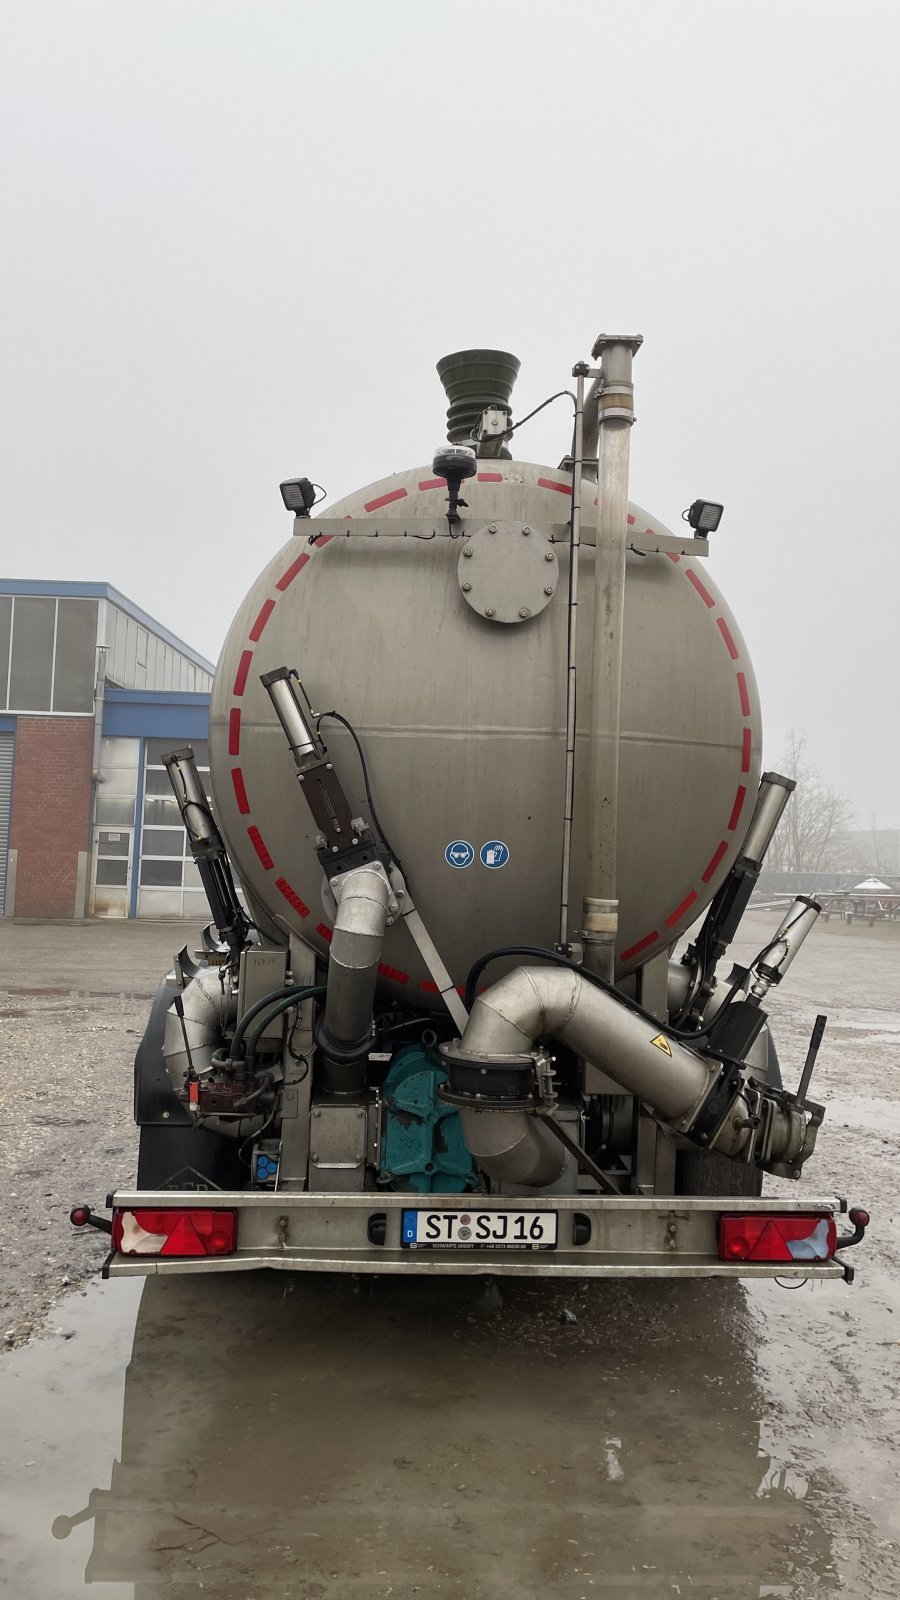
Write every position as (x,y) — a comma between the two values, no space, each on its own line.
(355,954)
(538,1002)
(207,1011)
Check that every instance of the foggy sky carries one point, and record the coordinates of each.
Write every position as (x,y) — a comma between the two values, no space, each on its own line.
(237,235)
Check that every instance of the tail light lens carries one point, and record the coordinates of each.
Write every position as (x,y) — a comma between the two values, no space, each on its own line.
(174,1232)
(766,1236)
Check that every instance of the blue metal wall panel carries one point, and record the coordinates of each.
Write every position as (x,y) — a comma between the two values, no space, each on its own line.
(145,715)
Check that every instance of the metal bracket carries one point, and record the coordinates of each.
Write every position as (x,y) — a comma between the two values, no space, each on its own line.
(714,1111)
(581,1156)
(644,541)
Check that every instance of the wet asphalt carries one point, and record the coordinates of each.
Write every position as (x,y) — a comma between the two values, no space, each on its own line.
(242,1436)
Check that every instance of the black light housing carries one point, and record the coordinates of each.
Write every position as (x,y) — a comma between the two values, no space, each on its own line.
(455,462)
(299,495)
(704,516)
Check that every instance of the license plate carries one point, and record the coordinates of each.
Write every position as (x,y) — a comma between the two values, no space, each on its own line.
(479,1230)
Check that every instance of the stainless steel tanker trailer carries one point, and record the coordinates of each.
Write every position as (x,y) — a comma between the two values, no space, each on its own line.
(484,744)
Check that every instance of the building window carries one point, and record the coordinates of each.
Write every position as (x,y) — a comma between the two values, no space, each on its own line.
(76,655)
(31,662)
(168,880)
(112,874)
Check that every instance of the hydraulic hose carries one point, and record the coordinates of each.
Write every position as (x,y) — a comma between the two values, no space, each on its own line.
(284,997)
(535,953)
(284,1004)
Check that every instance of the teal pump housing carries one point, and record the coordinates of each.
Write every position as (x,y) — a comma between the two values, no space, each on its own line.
(422,1147)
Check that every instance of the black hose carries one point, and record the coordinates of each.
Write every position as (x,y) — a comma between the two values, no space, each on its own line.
(284,1004)
(335,716)
(535,953)
(293,994)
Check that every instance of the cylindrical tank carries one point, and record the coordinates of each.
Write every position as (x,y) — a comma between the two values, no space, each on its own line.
(462,720)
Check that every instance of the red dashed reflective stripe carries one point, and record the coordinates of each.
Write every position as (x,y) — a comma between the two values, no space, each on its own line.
(433,483)
(642,944)
(290,895)
(490,477)
(265,611)
(240,677)
(679,911)
(287,578)
(393,973)
(730,645)
(385,500)
(256,839)
(240,792)
(234,732)
(700,587)
(284,582)
(737,808)
(714,862)
(427,987)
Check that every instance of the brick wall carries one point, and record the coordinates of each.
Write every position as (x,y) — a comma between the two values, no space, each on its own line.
(51,812)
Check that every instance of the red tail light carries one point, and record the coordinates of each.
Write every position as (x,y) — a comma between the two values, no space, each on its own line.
(174,1232)
(766,1236)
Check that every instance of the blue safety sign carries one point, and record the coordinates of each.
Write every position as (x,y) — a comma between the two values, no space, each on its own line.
(459,853)
(495,853)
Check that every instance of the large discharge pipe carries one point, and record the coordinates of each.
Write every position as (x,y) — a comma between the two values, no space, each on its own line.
(534,1002)
(344,1032)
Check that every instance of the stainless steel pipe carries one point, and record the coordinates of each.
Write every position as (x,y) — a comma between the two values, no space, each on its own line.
(579,374)
(355,952)
(536,1002)
(616,416)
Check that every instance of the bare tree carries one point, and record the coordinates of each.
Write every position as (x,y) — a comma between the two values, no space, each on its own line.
(810,835)
(880,850)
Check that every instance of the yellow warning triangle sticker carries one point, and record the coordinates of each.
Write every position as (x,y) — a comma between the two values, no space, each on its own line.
(662,1044)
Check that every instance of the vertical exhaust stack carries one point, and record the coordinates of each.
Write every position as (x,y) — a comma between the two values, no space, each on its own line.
(475,380)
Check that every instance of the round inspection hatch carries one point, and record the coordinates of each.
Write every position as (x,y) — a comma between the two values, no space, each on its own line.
(507,572)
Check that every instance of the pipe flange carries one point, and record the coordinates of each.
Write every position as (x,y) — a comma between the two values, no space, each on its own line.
(484,1102)
(507,1079)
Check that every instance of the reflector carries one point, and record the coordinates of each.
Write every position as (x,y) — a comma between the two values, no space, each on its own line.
(766,1236)
(174,1232)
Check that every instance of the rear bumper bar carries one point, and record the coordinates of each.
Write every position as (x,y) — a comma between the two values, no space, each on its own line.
(629,1237)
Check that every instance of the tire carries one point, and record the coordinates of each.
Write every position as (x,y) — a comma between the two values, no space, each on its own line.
(708,1173)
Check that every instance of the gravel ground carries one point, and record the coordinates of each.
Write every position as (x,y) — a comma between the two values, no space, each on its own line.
(74,1000)
(721,1440)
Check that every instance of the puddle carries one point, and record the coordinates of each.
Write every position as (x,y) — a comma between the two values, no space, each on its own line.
(859,1111)
(244,1436)
(71,996)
